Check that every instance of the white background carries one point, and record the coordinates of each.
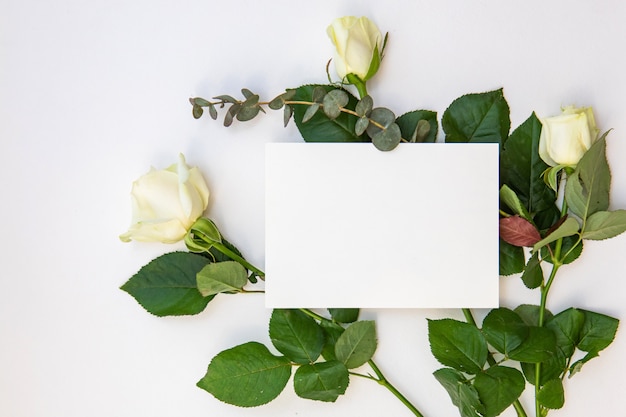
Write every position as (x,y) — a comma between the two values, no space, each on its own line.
(94,92)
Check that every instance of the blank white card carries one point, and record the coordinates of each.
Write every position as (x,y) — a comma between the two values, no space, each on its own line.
(350,226)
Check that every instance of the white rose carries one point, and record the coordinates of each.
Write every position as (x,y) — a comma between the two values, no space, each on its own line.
(165,203)
(565,138)
(358,46)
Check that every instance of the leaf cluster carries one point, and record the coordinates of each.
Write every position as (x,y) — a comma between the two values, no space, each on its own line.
(183,283)
(482,383)
(322,350)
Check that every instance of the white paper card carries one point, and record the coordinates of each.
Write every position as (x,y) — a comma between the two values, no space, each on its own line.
(350,226)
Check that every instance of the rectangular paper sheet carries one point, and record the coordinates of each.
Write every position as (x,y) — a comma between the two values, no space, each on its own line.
(350,226)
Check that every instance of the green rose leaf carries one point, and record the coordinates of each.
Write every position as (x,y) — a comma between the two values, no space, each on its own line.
(587,189)
(539,346)
(504,330)
(568,228)
(572,252)
(510,198)
(357,344)
(322,381)
(247,375)
(605,224)
(458,345)
(167,285)
(551,394)
(462,394)
(567,326)
(521,167)
(511,259)
(547,218)
(498,387)
(332,331)
(320,128)
(408,124)
(550,369)
(344,315)
(597,332)
(296,335)
(533,274)
(482,117)
(221,277)
(530,314)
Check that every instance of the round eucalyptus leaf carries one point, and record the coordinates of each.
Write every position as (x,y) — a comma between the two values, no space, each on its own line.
(247,93)
(310,112)
(212,112)
(277,103)
(333,102)
(199,101)
(289,94)
(226,98)
(380,116)
(319,93)
(421,131)
(248,113)
(364,106)
(361,125)
(231,113)
(388,139)
(287,113)
(197,111)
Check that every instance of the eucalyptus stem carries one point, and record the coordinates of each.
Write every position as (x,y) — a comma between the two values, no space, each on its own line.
(469,317)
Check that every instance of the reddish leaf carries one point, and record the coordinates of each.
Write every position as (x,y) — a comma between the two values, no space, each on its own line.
(518,231)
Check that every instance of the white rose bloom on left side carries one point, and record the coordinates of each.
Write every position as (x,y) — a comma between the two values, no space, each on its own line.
(165,203)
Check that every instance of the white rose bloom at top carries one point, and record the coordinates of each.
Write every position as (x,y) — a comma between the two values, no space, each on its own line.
(565,138)
(358,44)
(165,203)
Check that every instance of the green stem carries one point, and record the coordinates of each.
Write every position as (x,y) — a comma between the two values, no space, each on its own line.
(542,313)
(361,89)
(557,262)
(232,255)
(469,317)
(358,83)
(380,378)
(385,383)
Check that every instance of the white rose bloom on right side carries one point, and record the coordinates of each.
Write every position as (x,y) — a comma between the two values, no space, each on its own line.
(358,46)
(565,138)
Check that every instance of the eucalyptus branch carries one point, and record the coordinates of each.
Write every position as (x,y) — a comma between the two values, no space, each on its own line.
(378,123)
